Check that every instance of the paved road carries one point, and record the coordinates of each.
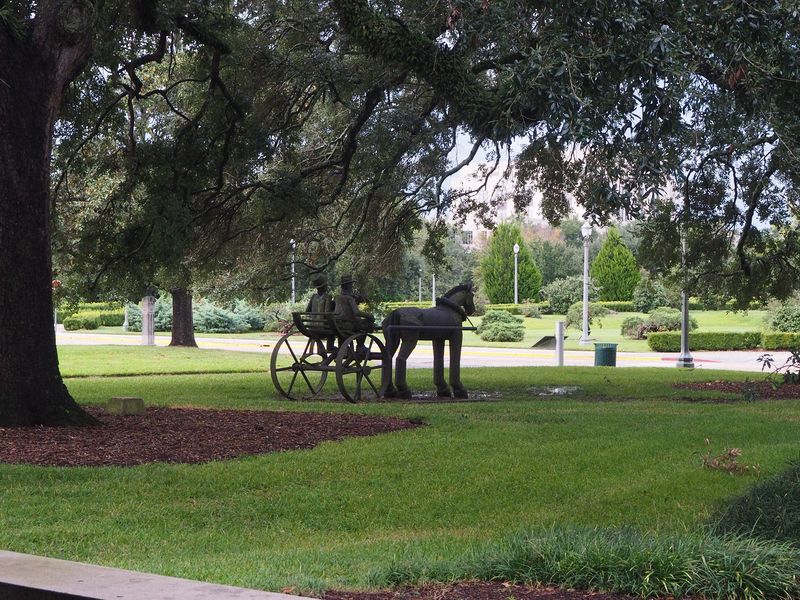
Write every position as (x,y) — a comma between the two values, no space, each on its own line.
(471,356)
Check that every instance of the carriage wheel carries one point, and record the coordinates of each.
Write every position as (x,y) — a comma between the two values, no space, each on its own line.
(303,378)
(359,368)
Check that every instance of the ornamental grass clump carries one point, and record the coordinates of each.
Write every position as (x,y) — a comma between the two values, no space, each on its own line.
(501,326)
(624,561)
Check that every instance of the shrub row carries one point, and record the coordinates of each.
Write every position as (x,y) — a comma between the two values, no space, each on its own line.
(670,341)
(389,306)
(92,319)
(780,340)
(525,309)
(617,305)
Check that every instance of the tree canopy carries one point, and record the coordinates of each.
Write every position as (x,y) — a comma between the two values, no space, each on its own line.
(497,267)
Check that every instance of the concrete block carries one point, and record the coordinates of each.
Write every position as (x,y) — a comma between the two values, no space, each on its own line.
(125,405)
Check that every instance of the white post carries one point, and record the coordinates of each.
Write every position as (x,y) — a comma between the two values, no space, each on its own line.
(294,289)
(516,271)
(560,343)
(433,289)
(148,321)
(586,230)
(685,359)
(125,322)
(419,294)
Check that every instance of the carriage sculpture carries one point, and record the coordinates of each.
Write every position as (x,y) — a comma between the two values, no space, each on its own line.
(320,343)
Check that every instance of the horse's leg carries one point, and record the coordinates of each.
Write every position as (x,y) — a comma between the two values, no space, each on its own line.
(392,341)
(442,388)
(406,347)
(459,391)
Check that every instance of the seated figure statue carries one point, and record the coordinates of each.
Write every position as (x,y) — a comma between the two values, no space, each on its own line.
(347,314)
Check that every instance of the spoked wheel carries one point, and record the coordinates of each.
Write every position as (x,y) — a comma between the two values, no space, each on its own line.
(306,375)
(359,368)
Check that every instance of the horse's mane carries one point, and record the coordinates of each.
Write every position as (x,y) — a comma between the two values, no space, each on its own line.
(464,287)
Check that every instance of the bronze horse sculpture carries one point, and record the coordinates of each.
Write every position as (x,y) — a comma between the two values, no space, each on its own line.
(404,327)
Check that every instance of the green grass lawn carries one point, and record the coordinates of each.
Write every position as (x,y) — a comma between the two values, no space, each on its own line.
(623,452)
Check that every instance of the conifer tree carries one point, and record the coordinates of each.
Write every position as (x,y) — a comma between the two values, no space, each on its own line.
(614,269)
(497,267)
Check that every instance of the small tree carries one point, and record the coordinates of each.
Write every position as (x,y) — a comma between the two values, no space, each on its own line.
(615,270)
(497,267)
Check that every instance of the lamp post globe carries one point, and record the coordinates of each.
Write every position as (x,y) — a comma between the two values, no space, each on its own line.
(586,232)
(516,273)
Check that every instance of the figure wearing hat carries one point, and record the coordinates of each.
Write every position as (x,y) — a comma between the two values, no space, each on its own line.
(347,308)
(321,302)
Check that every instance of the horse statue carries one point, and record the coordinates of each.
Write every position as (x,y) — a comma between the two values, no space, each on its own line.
(404,327)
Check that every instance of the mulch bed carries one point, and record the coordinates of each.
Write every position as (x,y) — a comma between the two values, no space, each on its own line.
(763,389)
(183,435)
(476,590)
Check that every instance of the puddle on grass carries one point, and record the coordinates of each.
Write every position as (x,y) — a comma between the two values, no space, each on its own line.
(555,390)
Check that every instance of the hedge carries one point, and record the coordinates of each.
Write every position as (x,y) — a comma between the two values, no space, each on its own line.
(670,341)
(780,340)
(617,305)
(81,321)
(389,306)
(518,309)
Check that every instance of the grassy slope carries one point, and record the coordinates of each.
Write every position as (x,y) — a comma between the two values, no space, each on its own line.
(329,516)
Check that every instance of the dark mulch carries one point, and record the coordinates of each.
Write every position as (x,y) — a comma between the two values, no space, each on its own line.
(183,435)
(764,390)
(475,590)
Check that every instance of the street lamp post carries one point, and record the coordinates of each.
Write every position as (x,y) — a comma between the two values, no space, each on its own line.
(586,232)
(516,274)
(294,286)
(433,289)
(685,359)
(419,285)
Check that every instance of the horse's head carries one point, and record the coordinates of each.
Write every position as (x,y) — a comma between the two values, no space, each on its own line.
(463,296)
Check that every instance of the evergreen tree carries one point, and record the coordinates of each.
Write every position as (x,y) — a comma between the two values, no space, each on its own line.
(615,269)
(497,267)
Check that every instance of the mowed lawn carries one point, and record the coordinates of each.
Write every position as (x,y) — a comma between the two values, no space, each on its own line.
(624,452)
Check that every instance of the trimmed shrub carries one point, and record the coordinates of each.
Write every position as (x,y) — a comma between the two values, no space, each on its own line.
(786,318)
(501,326)
(670,341)
(81,321)
(575,314)
(212,319)
(534,308)
(633,327)
(532,311)
(780,340)
(768,510)
(563,293)
(648,295)
(667,319)
(614,269)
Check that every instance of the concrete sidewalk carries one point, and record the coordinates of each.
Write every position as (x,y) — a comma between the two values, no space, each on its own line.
(471,356)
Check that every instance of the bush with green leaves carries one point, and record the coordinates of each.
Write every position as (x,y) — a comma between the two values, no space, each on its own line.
(575,314)
(251,315)
(617,305)
(497,267)
(213,319)
(614,269)
(162,316)
(649,294)
(667,319)
(768,510)
(563,293)
(670,341)
(633,327)
(780,340)
(786,318)
(501,326)
(81,321)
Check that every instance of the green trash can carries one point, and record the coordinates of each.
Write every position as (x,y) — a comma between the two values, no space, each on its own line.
(605,354)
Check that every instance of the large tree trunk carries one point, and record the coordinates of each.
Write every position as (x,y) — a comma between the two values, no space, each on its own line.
(182,322)
(31,86)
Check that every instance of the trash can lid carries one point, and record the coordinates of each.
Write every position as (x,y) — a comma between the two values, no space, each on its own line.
(605,345)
